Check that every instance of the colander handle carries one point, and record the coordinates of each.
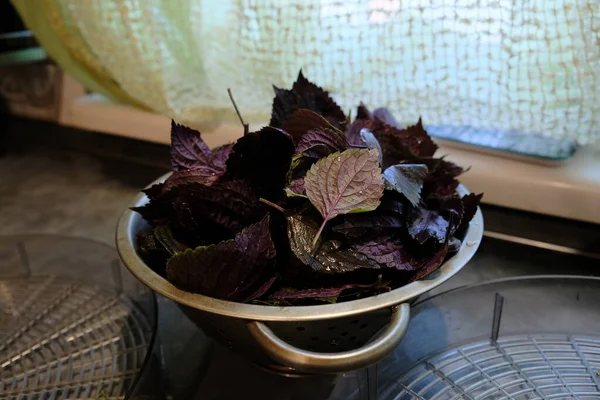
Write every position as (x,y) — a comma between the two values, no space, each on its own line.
(326,363)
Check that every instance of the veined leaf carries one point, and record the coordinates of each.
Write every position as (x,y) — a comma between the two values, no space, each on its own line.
(153,252)
(203,176)
(425,224)
(371,142)
(329,293)
(328,258)
(307,95)
(302,121)
(368,224)
(220,156)
(362,112)
(188,150)
(343,183)
(227,206)
(232,270)
(296,188)
(192,160)
(380,114)
(432,263)
(441,179)
(295,176)
(384,115)
(262,159)
(392,254)
(406,179)
(470,203)
(318,143)
(397,144)
(451,207)
(164,235)
(264,288)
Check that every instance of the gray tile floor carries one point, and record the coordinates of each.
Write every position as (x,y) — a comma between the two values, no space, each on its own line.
(48,184)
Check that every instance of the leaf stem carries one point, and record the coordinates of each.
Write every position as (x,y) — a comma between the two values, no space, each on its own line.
(270,203)
(318,235)
(245,125)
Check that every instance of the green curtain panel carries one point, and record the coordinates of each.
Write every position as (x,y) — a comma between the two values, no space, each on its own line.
(51,23)
(530,65)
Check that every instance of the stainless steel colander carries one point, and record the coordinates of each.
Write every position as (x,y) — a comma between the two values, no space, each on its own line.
(308,339)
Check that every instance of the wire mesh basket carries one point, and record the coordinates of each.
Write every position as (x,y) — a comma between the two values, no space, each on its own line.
(73,323)
(528,338)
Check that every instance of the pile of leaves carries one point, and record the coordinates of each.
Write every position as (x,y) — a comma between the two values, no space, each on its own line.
(312,208)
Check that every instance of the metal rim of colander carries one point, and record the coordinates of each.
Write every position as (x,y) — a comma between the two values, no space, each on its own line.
(129,224)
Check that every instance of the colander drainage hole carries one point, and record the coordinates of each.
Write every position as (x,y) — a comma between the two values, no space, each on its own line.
(314,338)
(363,326)
(344,333)
(332,328)
(354,322)
(300,328)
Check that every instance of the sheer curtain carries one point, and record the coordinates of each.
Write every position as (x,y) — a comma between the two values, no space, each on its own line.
(528,65)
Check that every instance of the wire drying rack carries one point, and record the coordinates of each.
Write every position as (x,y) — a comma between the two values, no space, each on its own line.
(518,367)
(64,338)
(448,359)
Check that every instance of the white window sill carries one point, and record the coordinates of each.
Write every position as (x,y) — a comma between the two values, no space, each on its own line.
(570,191)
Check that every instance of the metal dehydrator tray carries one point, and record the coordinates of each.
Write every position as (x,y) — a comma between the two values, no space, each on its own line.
(73,323)
(519,338)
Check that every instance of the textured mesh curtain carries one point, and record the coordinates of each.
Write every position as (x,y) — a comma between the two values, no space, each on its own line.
(530,65)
